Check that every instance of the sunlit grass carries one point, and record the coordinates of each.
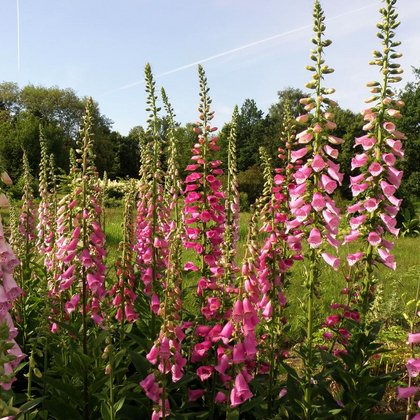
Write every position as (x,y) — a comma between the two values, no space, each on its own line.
(404,280)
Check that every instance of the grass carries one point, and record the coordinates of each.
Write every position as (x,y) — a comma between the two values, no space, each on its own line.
(395,287)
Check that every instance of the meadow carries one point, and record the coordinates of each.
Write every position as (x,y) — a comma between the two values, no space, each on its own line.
(397,287)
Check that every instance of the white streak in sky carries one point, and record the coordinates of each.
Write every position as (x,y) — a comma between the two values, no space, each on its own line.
(18,33)
(235,50)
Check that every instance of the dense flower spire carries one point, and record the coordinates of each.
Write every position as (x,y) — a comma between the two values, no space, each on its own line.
(27,215)
(124,292)
(316,180)
(80,246)
(232,211)
(10,353)
(376,177)
(165,353)
(204,210)
(152,224)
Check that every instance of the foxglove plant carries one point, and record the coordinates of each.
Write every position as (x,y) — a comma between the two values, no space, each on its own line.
(232,210)
(204,219)
(27,217)
(50,260)
(44,228)
(237,345)
(237,359)
(152,213)
(57,264)
(173,184)
(166,351)
(124,292)
(281,247)
(312,204)
(26,246)
(204,210)
(375,207)
(413,363)
(81,246)
(10,352)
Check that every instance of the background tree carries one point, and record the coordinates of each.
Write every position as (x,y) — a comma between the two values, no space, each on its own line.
(410,125)
(349,126)
(60,112)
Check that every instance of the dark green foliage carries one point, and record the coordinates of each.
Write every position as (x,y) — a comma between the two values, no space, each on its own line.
(60,113)
(251,182)
(409,124)
(349,126)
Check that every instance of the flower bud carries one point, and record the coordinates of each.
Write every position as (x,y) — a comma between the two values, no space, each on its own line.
(6,178)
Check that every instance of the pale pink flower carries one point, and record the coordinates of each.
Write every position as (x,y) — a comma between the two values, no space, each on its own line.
(331,260)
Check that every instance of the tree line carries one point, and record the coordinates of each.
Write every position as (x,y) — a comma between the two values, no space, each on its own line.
(60,113)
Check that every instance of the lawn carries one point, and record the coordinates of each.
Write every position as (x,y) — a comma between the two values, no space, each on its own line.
(395,287)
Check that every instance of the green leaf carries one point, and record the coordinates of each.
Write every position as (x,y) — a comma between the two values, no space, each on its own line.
(25,408)
(119,404)
(141,364)
(106,412)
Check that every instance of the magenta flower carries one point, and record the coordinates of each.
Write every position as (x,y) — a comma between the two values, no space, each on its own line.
(413,338)
(413,367)
(407,392)
(240,392)
(204,372)
(195,394)
(9,292)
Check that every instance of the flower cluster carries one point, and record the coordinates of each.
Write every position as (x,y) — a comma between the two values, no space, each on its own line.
(373,213)
(413,370)
(45,229)
(152,226)
(204,210)
(123,292)
(10,353)
(27,216)
(316,180)
(81,242)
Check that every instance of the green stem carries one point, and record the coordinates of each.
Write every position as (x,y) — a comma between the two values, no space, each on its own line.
(309,343)
(84,281)
(111,385)
(410,400)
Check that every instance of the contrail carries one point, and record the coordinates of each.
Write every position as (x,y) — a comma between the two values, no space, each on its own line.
(235,50)
(18,33)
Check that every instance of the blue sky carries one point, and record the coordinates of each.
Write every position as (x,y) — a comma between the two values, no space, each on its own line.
(99,48)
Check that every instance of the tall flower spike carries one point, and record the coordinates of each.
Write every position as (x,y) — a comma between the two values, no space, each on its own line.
(102,199)
(231,234)
(80,247)
(152,211)
(237,357)
(27,216)
(376,180)
(280,249)
(166,350)
(124,292)
(204,210)
(43,226)
(316,180)
(173,184)
(26,250)
(10,353)
(204,218)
